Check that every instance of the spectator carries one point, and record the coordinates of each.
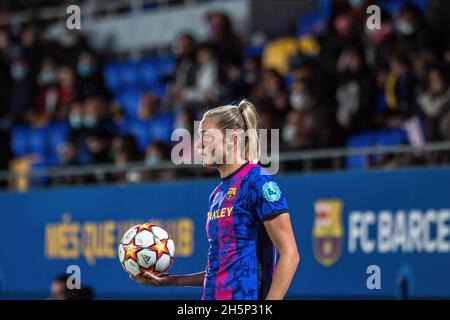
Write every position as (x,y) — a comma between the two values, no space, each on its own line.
(22,90)
(354,93)
(66,92)
(435,102)
(398,91)
(148,106)
(90,79)
(46,99)
(272,93)
(156,153)
(207,79)
(222,37)
(60,291)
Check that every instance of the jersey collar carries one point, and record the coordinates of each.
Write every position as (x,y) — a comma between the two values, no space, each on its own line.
(233,173)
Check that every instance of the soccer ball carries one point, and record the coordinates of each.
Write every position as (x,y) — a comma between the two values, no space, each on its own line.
(146,249)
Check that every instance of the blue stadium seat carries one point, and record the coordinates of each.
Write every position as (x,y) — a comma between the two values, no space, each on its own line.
(149,72)
(37,164)
(130,74)
(112,74)
(362,140)
(161,126)
(166,65)
(19,141)
(37,141)
(393,6)
(307,21)
(56,138)
(140,130)
(159,90)
(129,101)
(391,137)
(253,51)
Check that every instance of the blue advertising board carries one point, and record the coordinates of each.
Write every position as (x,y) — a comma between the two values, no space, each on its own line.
(358,234)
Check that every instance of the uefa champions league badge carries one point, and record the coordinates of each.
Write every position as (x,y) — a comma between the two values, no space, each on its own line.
(271,191)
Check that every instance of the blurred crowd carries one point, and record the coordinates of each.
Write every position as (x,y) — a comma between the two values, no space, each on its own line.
(326,82)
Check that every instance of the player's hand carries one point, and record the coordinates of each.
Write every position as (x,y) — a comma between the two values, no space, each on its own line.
(162,280)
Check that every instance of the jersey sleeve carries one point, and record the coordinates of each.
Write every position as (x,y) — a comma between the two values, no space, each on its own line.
(266,196)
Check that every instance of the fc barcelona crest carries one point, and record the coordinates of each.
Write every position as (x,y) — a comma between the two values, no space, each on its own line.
(231,193)
(327,231)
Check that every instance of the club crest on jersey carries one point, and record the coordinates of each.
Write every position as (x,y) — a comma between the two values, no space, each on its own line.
(327,231)
(271,191)
(231,193)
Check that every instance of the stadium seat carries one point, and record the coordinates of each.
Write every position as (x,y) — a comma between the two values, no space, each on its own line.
(393,7)
(56,137)
(253,51)
(37,140)
(130,75)
(112,76)
(19,141)
(140,130)
(158,90)
(166,65)
(362,140)
(391,137)
(387,138)
(308,21)
(129,101)
(148,72)
(161,126)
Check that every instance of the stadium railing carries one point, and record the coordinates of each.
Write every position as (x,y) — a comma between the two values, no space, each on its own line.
(338,159)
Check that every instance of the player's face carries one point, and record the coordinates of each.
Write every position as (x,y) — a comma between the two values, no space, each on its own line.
(210,143)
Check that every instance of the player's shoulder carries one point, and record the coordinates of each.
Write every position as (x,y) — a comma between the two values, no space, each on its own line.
(258,175)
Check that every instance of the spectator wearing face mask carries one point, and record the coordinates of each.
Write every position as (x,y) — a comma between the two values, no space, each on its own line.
(85,119)
(398,91)
(272,93)
(66,92)
(354,92)
(224,39)
(90,80)
(124,151)
(156,153)
(411,33)
(46,100)
(22,90)
(207,86)
(435,102)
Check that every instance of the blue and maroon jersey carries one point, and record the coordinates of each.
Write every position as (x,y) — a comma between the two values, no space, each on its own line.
(241,257)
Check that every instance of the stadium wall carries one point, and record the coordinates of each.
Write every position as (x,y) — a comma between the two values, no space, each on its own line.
(344,223)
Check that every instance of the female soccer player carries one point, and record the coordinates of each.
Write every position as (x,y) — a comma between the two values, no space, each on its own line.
(248,219)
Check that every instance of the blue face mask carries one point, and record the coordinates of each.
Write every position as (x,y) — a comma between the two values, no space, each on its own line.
(75,120)
(152,160)
(89,121)
(47,76)
(18,72)
(404,28)
(84,69)
(355,3)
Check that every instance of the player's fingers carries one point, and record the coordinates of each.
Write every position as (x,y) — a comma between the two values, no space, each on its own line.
(154,278)
(138,278)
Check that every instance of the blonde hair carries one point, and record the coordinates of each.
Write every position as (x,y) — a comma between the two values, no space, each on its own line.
(241,117)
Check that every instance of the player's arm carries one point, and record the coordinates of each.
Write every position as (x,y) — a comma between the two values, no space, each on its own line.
(280,232)
(188,280)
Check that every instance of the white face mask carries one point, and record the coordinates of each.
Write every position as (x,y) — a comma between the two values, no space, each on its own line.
(404,27)
(300,100)
(288,133)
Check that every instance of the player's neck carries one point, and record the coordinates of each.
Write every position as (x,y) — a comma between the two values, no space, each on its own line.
(226,169)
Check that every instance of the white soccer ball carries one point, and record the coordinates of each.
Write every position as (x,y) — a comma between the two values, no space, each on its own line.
(146,249)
